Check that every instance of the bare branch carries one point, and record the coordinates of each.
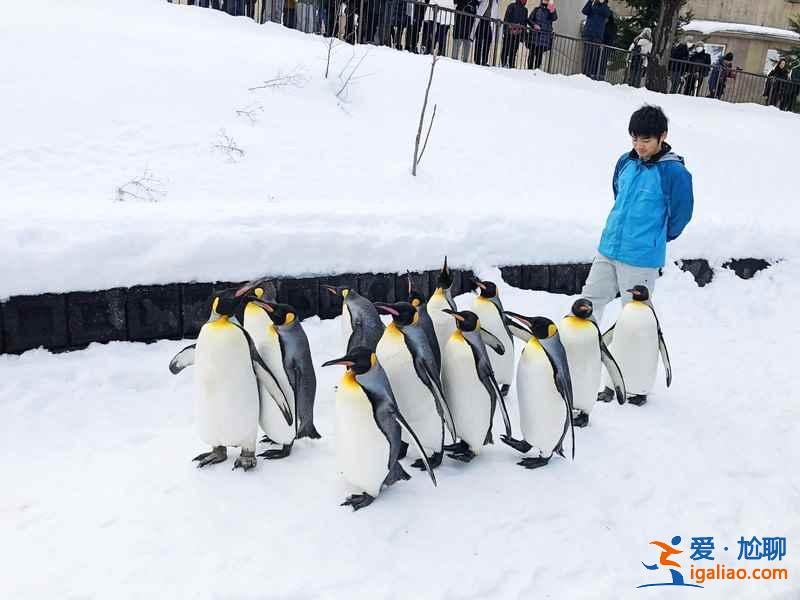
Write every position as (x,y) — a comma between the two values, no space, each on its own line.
(250,112)
(227,145)
(417,155)
(146,188)
(427,135)
(294,79)
(352,72)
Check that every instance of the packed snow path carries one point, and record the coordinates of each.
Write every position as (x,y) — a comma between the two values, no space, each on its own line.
(100,497)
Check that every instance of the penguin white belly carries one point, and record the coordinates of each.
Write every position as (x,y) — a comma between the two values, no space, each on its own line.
(542,410)
(270,417)
(469,401)
(226,408)
(347,325)
(362,451)
(413,398)
(635,347)
(443,324)
(503,366)
(582,345)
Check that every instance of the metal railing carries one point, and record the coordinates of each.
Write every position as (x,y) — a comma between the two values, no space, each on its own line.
(421,28)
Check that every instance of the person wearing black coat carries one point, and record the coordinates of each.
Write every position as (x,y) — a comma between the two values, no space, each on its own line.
(790,98)
(609,39)
(540,38)
(514,25)
(677,64)
(698,69)
(462,28)
(776,86)
(597,14)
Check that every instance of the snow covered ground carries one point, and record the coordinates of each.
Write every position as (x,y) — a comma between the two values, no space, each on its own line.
(101,500)
(517,170)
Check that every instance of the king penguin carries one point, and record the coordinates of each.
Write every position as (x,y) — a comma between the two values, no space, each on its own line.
(284,347)
(544,394)
(469,385)
(442,299)
(231,374)
(361,325)
(406,355)
(636,340)
(417,301)
(586,352)
(489,308)
(368,428)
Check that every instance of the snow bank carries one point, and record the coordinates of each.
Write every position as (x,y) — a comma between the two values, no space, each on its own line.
(517,170)
(101,500)
(709,27)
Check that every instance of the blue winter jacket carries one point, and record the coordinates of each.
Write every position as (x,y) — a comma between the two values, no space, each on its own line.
(596,17)
(653,202)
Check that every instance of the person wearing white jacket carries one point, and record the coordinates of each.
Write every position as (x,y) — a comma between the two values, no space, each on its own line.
(640,49)
(436,27)
(483,30)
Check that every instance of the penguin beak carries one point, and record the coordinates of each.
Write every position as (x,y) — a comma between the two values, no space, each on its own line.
(344,361)
(386,309)
(478,283)
(454,314)
(267,306)
(247,287)
(517,317)
(630,291)
(331,289)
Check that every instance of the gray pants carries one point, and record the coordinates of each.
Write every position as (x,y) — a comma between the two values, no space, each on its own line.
(461,49)
(607,277)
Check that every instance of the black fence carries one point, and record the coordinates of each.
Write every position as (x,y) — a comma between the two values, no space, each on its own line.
(422,28)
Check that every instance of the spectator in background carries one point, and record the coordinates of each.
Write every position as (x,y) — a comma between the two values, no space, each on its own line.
(776,86)
(597,15)
(272,10)
(483,29)
(609,39)
(722,70)
(415,27)
(540,39)
(462,29)
(640,49)
(436,27)
(290,14)
(794,88)
(677,64)
(399,22)
(515,19)
(698,69)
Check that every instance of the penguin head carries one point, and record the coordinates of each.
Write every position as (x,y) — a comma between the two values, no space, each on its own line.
(342,290)
(403,313)
(466,320)
(279,314)
(540,327)
(415,299)
(487,289)
(226,303)
(445,279)
(640,293)
(582,308)
(359,360)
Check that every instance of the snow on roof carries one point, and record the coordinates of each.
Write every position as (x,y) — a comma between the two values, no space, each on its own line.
(709,27)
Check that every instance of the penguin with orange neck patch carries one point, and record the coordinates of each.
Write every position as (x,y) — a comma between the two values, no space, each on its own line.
(231,374)
(368,428)
(361,325)
(489,308)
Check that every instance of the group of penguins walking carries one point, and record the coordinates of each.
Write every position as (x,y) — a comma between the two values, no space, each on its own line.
(433,371)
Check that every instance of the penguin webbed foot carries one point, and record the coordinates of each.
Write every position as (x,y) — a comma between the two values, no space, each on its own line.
(518,445)
(266,440)
(246,461)
(489,439)
(461,452)
(581,419)
(308,432)
(403,450)
(217,455)
(455,446)
(637,399)
(533,463)
(434,459)
(607,395)
(358,501)
(285,451)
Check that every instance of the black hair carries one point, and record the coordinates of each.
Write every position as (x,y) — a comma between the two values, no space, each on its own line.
(648,121)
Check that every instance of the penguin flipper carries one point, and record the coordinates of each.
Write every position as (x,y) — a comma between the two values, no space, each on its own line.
(434,384)
(554,350)
(493,341)
(517,330)
(662,349)
(404,424)
(490,383)
(182,359)
(266,379)
(611,365)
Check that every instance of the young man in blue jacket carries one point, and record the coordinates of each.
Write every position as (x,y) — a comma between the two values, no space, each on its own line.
(653,202)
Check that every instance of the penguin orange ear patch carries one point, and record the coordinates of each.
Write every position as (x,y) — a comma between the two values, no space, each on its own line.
(551,330)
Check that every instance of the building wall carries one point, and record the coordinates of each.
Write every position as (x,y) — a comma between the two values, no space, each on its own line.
(771,13)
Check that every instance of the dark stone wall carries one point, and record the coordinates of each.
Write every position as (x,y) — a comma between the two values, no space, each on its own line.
(146,313)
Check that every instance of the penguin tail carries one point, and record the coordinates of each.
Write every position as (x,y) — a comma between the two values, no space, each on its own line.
(308,431)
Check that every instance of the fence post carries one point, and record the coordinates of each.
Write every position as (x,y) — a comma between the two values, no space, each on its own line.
(496,41)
